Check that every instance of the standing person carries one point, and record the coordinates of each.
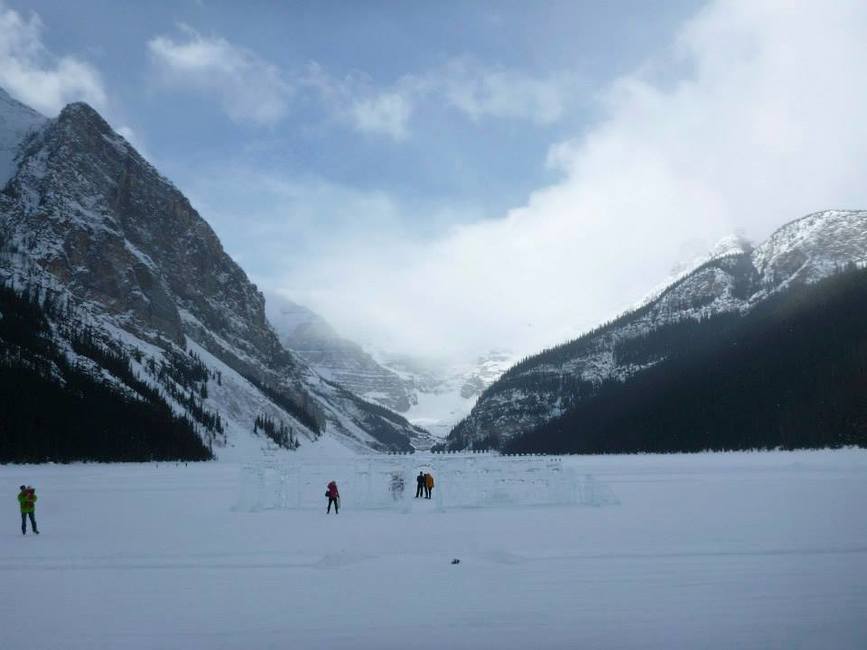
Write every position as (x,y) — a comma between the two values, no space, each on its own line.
(27,501)
(428,484)
(420,489)
(333,497)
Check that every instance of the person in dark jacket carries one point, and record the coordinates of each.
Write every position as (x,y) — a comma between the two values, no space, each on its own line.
(419,480)
(333,497)
(27,501)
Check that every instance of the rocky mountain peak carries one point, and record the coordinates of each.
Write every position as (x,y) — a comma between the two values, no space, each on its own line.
(87,213)
(84,113)
(812,247)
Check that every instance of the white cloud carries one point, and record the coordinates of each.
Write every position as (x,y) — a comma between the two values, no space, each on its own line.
(292,222)
(479,91)
(248,87)
(387,113)
(134,138)
(466,86)
(763,123)
(34,75)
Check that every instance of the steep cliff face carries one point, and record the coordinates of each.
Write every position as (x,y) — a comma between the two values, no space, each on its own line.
(735,280)
(84,215)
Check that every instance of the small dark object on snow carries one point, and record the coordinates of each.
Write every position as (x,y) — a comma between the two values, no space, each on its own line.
(456,561)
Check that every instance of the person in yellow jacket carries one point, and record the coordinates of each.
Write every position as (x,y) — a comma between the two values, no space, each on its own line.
(428,484)
(27,501)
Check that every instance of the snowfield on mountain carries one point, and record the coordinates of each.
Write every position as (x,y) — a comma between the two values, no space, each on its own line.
(732,550)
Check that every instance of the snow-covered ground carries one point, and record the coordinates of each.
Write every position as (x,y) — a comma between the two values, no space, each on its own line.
(764,550)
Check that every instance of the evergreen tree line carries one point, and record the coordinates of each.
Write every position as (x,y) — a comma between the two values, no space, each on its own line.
(281,434)
(185,378)
(302,412)
(389,438)
(54,410)
(791,373)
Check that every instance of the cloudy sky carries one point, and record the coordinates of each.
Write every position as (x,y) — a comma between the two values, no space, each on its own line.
(450,177)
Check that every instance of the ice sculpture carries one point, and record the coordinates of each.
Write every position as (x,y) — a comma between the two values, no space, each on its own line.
(462,480)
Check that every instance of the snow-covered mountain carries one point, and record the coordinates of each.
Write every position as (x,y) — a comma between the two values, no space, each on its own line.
(431,394)
(443,393)
(88,224)
(734,279)
(336,358)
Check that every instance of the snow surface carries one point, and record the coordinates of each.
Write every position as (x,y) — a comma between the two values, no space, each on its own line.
(741,550)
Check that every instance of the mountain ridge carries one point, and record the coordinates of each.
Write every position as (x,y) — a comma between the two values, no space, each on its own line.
(86,218)
(802,251)
(790,373)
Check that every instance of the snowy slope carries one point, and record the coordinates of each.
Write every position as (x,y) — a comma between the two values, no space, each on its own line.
(92,226)
(811,248)
(732,279)
(730,246)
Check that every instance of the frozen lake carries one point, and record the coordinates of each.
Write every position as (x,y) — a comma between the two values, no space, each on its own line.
(764,550)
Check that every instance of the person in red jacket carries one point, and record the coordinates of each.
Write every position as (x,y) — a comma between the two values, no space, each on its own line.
(333,497)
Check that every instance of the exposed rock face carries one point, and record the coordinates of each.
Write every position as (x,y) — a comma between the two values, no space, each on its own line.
(86,214)
(734,280)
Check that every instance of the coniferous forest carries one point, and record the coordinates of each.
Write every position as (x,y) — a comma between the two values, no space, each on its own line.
(56,410)
(791,373)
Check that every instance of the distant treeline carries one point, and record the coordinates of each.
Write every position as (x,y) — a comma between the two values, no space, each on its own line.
(282,435)
(55,410)
(791,373)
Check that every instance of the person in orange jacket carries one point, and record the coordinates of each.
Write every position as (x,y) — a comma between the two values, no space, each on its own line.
(428,485)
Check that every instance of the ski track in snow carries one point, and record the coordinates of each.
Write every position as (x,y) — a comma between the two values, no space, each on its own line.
(740,550)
